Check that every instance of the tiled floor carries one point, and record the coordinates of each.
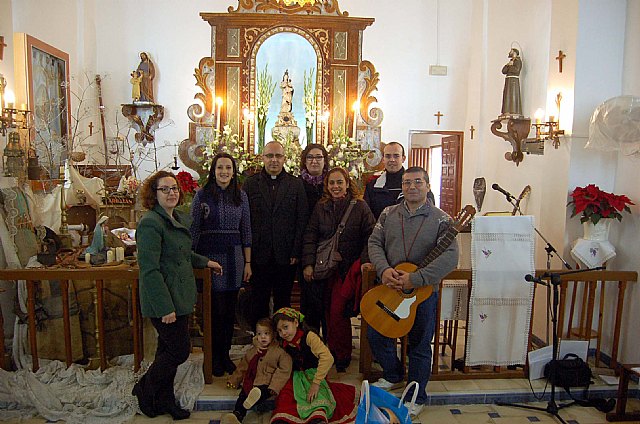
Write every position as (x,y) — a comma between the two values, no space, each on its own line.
(451,401)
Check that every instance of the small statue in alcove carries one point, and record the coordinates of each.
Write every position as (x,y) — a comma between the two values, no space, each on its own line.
(511,101)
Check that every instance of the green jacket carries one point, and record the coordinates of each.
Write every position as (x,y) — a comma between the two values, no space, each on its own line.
(166,264)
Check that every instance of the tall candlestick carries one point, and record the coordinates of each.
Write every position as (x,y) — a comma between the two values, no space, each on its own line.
(325,129)
(218,107)
(245,129)
(356,108)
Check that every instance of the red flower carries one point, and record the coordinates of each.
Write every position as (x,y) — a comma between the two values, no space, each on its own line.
(595,204)
(186,182)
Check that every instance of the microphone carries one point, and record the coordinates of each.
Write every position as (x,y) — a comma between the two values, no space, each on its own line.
(496,187)
(531,279)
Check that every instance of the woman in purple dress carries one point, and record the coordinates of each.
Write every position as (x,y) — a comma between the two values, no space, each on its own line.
(221,231)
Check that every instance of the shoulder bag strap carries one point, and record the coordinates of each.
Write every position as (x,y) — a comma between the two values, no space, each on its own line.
(343,222)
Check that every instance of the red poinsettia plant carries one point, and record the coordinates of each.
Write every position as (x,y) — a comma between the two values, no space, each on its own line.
(595,204)
(187,183)
(188,186)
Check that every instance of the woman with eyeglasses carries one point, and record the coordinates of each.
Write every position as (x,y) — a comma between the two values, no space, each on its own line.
(314,164)
(167,290)
(339,288)
(221,231)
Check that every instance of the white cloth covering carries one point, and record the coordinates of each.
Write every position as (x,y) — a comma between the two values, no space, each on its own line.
(592,253)
(78,395)
(502,253)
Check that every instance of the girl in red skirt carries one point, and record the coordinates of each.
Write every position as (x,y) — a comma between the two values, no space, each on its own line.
(308,398)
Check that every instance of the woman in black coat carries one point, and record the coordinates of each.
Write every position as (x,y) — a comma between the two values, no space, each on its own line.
(314,164)
(339,191)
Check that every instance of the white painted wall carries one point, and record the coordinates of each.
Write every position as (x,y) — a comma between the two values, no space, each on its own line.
(474,39)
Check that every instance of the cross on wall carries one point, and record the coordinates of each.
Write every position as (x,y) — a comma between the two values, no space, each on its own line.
(559,58)
(438,116)
(2,46)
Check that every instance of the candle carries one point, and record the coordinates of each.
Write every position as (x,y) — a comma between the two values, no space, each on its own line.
(110,256)
(324,120)
(87,258)
(245,130)
(23,106)
(119,253)
(356,108)
(218,107)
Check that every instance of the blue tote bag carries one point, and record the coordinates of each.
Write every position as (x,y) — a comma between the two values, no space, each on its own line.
(378,406)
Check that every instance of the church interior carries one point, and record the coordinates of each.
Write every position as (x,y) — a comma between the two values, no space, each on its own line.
(513,107)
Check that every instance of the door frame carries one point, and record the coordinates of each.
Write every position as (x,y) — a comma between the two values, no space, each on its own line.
(459,164)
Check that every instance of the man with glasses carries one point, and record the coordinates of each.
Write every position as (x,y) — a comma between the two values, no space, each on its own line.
(385,190)
(279,213)
(407,232)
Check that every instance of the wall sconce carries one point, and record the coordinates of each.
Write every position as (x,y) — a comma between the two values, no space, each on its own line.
(549,130)
(10,117)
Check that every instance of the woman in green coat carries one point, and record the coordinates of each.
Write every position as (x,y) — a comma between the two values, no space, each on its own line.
(167,290)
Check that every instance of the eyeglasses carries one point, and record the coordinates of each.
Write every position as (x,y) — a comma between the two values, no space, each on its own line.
(418,182)
(317,158)
(167,190)
(274,155)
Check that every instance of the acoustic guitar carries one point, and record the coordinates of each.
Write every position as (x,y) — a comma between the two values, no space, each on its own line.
(392,312)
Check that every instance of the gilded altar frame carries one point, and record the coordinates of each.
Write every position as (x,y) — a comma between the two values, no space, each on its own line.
(342,77)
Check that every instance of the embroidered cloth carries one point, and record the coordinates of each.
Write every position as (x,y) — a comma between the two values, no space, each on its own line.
(502,253)
(592,253)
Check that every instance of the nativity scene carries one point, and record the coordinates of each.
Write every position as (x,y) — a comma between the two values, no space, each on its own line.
(290,211)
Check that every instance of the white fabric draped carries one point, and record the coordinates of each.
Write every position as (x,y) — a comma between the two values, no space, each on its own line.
(502,253)
(78,395)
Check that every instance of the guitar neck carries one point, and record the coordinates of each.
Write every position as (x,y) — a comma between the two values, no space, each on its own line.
(442,245)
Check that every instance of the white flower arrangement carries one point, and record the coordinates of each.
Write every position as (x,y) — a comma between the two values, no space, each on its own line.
(309,100)
(231,144)
(347,153)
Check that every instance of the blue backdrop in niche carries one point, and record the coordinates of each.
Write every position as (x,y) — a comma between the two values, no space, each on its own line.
(283,51)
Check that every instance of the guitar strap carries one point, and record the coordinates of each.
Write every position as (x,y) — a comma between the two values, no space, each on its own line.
(404,245)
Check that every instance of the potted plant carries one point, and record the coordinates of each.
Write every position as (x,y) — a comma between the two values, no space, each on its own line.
(598,208)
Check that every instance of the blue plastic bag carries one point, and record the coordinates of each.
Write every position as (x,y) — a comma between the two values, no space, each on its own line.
(378,406)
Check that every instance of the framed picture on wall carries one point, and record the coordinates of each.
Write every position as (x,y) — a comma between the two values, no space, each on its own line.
(47,95)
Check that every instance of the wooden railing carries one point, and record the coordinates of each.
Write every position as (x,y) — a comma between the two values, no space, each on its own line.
(587,279)
(99,276)
(130,275)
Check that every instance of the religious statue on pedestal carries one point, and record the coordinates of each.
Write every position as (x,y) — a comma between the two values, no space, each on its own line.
(287,92)
(147,71)
(511,101)
(286,124)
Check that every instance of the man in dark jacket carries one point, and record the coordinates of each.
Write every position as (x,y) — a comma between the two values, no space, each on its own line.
(278,205)
(386,190)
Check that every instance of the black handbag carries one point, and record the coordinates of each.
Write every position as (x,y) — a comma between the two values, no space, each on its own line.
(327,255)
(571,371)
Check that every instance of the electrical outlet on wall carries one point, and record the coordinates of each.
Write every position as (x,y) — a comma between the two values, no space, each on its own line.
(437,70)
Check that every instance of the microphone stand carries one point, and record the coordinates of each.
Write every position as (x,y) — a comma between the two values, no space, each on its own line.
(555,281)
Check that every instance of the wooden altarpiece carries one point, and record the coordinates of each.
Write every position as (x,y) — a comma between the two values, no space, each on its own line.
(342,77)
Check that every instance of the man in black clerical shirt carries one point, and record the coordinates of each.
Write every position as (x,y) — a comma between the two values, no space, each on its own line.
(386,190)
(278,206)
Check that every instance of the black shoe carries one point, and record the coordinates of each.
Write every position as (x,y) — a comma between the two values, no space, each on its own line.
(177,413)
(145,408)
(218,369)
(342,365)
(229,366)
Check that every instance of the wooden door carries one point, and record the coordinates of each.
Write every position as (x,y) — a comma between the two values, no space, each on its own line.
(451,172)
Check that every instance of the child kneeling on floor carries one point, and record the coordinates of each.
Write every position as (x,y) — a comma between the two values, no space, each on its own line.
(261,373)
